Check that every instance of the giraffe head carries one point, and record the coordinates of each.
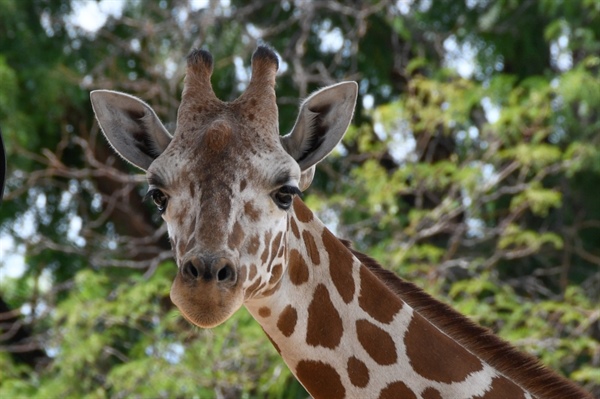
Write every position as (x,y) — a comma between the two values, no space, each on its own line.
(225,181)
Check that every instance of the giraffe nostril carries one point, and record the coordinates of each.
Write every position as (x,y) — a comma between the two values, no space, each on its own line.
(190,271)
(226,273)
(219,270)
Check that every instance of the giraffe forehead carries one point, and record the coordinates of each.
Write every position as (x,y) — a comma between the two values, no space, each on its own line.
(246,116)
(224,152)
(208,142)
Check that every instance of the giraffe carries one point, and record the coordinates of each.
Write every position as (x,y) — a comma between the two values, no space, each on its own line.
(228,186)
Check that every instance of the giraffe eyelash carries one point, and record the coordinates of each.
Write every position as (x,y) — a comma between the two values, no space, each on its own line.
(284,196)
(293,190)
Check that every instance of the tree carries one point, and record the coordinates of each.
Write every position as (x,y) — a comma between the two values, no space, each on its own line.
(479,185)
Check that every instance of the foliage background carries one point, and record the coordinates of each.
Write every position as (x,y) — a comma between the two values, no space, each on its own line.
(472,168)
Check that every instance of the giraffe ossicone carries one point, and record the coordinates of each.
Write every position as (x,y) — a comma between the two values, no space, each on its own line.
(227,184)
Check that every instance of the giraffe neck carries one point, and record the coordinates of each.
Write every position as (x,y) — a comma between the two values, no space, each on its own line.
(346,332)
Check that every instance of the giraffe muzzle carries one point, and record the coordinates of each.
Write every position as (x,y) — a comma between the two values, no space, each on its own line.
(207,289)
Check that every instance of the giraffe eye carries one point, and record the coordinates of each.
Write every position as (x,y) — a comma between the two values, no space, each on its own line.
(159,198)
(284,196)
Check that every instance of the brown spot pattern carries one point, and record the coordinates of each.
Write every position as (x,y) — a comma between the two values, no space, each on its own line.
(311,247)
(321,380)
(251,212)
(253,271)
(297,269)
(503,388)
(295,229)
(236,236)
(340,266)
(302,212)
(378,343)
(264,312)
(261,286)
(276,242)
(358,372)
(370,298)
(324,327)
(434,355)
(287,320)
(265,255)
(252,289)
(397,390)
(253,245)
(431,393)
(276,273)
(273,289)
(243,184)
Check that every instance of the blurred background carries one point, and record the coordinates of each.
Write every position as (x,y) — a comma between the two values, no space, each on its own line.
(472,168)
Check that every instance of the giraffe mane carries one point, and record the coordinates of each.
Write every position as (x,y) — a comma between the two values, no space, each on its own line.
(512,363)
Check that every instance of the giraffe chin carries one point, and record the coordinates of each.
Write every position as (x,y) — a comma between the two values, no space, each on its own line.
(203,304)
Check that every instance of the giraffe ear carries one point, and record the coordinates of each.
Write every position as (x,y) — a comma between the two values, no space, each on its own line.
(131,127)
(306,177)
(321,124)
